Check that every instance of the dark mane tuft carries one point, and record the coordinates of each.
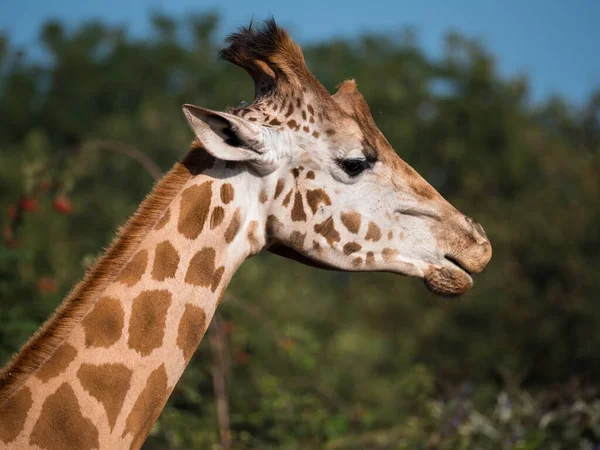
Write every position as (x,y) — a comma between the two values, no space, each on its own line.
(274,61)
(269,44)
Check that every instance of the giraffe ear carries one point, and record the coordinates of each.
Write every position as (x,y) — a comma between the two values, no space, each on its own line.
(228,137)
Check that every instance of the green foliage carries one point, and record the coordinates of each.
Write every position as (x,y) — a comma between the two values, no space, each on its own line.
(320,359)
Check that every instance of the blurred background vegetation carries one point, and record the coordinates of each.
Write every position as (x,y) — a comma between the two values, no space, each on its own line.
(311,359)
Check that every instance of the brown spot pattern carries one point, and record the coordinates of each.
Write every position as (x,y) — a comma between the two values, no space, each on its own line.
(253,236)
(191,329)
(315,133)
(217,278)
(356,262)
(389,254)
(217,217)
(263,196)
(195,206)
(370,258)
(147,407)
(297,239)
(234,226)
(351,247)
(166,261)
(373,232)
(390,235)
(61,424)
(57,363)
(290,110)
(310,175)
(316,196)
(317,247)
(133,271)
(423,189)
(351,221)
(288,197)
(14,414)
(327,229)
(279,187)
(163,220)
(227,193)
(107,383)
(104,324)
(298,214)
(148,320)
(273,225)
(202,268)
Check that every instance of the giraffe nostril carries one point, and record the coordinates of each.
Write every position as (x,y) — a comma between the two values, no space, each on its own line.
(481,231)
(476,226)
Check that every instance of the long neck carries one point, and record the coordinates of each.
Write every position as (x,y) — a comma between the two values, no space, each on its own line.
(120,342)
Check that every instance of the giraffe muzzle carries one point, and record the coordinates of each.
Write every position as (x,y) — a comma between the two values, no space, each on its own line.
(472,249)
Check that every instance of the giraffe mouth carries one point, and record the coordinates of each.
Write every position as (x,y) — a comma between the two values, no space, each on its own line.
(449,280)
(457,264)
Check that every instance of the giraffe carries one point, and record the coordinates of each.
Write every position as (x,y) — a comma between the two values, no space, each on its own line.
(299,172)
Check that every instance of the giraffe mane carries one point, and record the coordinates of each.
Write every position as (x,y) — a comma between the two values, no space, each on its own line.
(271,57)
(83,296)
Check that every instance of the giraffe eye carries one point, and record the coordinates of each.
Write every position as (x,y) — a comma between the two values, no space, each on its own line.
(353,167)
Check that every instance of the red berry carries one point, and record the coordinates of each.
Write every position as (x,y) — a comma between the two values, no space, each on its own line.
(8,233)
(62,205)
(29,204)
(47,285)
(45,185)
(229,327)
(9,238)
(287,344)
(241,357)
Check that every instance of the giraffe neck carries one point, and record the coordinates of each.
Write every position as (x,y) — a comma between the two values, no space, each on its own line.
(114,366)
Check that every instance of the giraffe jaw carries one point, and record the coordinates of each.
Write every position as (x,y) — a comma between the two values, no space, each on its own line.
(448,280)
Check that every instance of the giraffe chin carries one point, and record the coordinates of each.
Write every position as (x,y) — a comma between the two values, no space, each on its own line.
(447,281)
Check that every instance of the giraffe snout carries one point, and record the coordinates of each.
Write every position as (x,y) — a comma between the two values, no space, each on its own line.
(478,230)
(471,248)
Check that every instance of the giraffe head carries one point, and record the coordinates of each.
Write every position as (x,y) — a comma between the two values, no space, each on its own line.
(332,191)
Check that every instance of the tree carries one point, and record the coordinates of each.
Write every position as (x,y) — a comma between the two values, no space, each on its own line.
(341,358)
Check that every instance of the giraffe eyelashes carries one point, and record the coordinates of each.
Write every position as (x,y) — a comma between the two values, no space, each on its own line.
(354,166)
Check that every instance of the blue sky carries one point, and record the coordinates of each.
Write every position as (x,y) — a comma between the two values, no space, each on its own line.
(554,42)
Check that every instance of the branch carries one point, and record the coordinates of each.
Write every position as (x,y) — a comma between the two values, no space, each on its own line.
(129,151)
(124,149)
(268,325)
(219,351)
